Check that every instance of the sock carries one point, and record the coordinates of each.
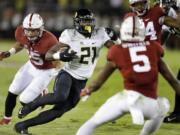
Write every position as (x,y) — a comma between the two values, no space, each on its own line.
(10,103)
(177,99)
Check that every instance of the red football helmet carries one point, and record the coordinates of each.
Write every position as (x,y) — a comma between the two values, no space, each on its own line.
(140,7)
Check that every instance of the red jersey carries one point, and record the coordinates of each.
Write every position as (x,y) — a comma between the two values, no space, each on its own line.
(151,21)
(138,64)
(37,50)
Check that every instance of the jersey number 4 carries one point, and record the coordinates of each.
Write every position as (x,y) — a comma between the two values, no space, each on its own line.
(135,57)
(150,31)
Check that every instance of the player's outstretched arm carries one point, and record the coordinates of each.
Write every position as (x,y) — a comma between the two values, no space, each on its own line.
(168,75)
(16,48)
(100,80)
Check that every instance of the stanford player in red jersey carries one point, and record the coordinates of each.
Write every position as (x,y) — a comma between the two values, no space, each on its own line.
(139,62)
(34,76)
(153,17)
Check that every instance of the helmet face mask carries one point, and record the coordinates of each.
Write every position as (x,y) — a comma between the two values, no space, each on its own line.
(84,22)
(33,25)
(32,34)
(140,7)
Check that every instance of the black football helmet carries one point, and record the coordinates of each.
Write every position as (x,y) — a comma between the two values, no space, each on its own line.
(84,22)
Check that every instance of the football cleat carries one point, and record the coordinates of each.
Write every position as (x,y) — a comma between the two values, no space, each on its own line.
(5,121)
(25,110)
(172,118)
(21,129)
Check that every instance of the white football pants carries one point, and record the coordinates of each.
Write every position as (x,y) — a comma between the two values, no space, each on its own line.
(29,82)
(140,107)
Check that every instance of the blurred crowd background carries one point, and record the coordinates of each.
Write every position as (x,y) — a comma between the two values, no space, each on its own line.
(58,14)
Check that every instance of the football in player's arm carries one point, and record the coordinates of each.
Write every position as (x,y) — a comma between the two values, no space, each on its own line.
(79,48)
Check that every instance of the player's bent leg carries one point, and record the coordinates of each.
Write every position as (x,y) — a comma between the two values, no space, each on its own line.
(111,110)
(154,123)
(10,103)
(177,101)
(45,116)
(174,117)
(61,92)
(151,126)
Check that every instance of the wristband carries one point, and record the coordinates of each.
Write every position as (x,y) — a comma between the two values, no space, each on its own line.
(56,56)
(12,51)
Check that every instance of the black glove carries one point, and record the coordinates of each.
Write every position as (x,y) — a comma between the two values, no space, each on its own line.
(5,54)
(111,33)
(67,56)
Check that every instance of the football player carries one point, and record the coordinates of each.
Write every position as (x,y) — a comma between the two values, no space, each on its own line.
(154,17)
(85,42)
(34,76)
(174,36)
(139,62)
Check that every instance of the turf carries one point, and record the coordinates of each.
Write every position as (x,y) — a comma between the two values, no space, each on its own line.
(72,120)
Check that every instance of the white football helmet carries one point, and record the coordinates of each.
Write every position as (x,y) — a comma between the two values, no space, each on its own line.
(132,29)
(33,25)
(140,7)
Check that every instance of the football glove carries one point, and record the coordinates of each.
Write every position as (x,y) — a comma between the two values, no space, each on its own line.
(4,55)
(67,56)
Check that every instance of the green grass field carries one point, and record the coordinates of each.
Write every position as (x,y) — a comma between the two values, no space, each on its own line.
(72,120)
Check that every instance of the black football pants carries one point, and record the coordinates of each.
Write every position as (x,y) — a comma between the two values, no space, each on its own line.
(66,96)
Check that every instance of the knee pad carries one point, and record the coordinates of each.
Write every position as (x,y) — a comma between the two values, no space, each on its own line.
(164,105)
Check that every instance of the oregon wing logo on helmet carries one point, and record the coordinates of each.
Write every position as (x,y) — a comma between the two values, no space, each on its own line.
(84,22)
(132,29)
(33,25)
(140,7)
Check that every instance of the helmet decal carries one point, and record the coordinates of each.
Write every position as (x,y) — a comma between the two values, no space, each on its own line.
(84,22)
(30,19)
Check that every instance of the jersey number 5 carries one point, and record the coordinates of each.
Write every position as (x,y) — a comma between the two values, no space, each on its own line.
(135,57)
(35,58)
